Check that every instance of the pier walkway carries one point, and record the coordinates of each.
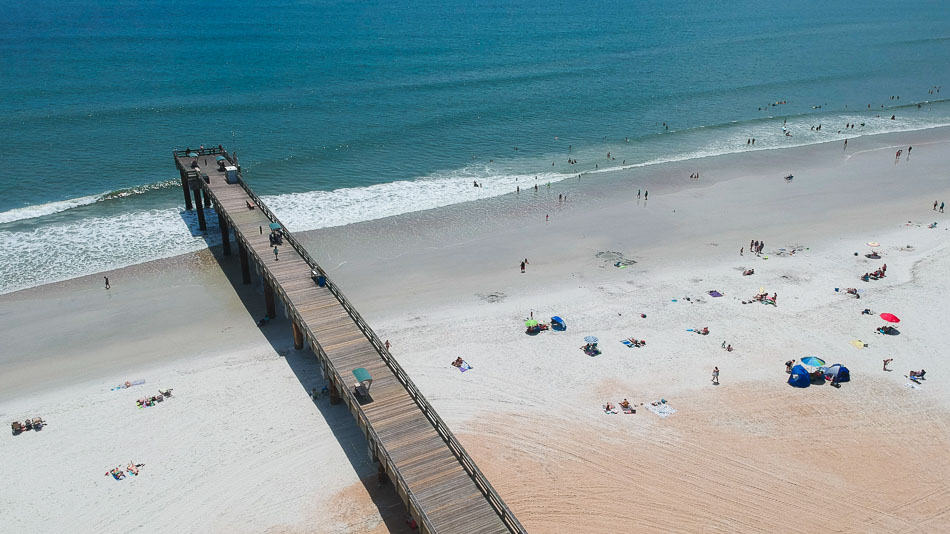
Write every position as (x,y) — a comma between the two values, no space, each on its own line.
(440,484)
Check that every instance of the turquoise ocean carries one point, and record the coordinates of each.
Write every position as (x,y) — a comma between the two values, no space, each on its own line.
(344,111)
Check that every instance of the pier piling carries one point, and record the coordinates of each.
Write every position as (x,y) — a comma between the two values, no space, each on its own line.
(269,299)
(245,268)
(202,225)
(225,233)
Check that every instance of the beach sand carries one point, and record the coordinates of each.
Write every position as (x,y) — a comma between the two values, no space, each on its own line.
(241,447)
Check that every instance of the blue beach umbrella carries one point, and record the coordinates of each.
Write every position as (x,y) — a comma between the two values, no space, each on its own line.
(192,154)
(813,361)
(219,158)
(590,339)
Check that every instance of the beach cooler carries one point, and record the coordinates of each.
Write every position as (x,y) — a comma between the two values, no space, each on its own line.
(231,174)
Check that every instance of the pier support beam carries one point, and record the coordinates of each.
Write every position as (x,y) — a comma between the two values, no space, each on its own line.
(184,189)
(245,268)
(298,335)
(201,211)
(269,299)
(225,233)
(207,198)
(334,394)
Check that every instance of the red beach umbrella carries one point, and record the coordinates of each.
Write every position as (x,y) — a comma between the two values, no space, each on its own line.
(890,317)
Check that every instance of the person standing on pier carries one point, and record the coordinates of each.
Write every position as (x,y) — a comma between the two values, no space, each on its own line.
(275,254)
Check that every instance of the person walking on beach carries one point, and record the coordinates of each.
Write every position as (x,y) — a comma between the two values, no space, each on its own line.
(275,253)
(935,205)
(846,144)
(941,207)
(715,376)
(638,198)
(107,282)
(647,193)
(522,267)
(887,361)
(740,250)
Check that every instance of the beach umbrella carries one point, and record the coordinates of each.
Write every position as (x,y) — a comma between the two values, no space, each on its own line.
(590,339)
(192,154)
(219,158)
(890,317)
(531,323)
(813,361)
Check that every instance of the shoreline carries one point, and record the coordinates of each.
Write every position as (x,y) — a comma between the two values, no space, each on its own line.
(671,173)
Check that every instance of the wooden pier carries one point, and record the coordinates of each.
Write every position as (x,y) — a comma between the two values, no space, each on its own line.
(434,476)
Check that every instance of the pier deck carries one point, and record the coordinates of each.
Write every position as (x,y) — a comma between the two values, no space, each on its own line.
(437,480)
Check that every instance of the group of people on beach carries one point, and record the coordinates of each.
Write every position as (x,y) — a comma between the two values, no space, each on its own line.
(876,275)
(118,473)
(36,423)
(625,405)
(154,399)
(755,247)
(935,207)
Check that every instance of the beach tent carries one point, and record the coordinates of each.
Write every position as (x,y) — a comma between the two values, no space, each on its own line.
(799,377)
(838,373)
(557,323)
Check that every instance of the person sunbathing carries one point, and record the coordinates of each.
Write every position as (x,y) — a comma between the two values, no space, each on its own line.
(918,374)
(748,272)
(116,473)
(866,277)
(610,408)
(625,404)
(132,468)
(458,362)
(705,331)
(867,311)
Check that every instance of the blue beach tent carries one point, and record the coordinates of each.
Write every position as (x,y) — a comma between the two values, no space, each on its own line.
(557,323)
(799,377)
(838,373)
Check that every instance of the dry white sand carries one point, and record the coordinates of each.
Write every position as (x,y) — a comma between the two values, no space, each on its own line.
(241,447)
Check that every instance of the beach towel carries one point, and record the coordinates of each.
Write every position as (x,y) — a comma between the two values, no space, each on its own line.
(858,344)
(606,411)
(911,385)
(464,367)
(135,383)
(715,293)
(627,342)
(663,410)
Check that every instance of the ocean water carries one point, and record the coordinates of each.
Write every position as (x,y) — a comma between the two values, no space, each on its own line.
(343,111)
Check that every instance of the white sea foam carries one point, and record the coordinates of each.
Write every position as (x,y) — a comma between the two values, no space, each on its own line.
(49,208)
(39,210)
(322,209)
(56,252)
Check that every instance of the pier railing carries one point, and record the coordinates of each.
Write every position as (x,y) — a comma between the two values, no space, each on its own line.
(492,496)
